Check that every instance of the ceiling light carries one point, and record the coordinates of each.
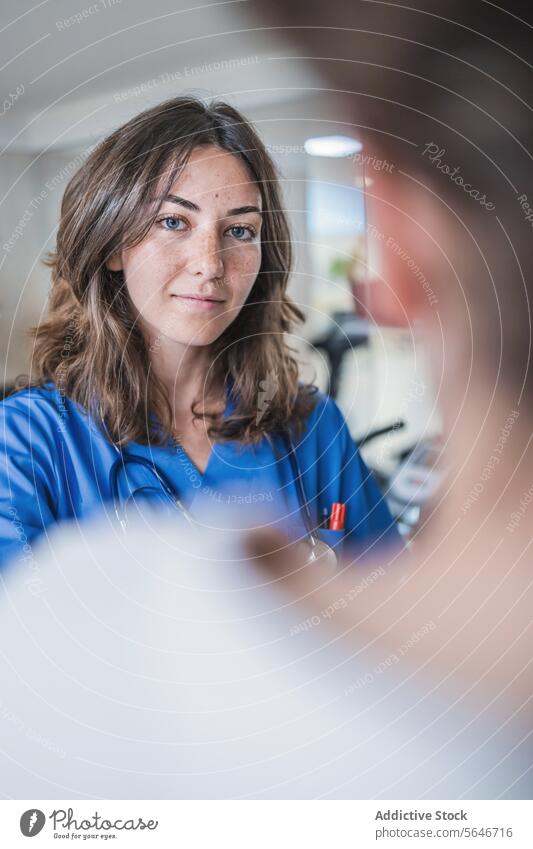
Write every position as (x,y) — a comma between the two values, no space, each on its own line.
(336,146)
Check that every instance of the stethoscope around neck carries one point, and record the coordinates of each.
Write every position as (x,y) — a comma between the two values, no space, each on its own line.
(318,549)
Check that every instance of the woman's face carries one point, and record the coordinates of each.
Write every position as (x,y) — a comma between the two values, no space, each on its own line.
(190,276)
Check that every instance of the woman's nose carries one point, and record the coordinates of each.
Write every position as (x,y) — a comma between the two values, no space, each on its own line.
(205,257)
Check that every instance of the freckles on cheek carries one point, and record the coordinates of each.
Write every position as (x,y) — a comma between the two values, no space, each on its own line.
(244,271)
(146,269)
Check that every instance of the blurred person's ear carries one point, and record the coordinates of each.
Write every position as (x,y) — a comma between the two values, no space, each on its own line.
(406,250)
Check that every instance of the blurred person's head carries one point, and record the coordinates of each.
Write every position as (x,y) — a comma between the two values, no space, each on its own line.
(456,264)
(440,102)
(172,239)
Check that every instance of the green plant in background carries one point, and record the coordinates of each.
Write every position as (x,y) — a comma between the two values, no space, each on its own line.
(340,267)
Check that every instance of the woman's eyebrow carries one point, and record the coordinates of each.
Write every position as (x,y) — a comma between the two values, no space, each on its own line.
(188,204)
(241,210)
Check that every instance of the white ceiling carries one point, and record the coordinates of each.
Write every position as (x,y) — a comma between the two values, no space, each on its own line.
(78,75)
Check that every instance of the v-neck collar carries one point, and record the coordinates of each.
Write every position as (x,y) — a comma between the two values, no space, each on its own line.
(180,450)
(215,447)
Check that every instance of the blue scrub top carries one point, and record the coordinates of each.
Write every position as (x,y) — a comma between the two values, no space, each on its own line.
(55,464)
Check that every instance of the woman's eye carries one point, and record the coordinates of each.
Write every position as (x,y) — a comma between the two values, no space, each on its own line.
(170,222)
(242,234)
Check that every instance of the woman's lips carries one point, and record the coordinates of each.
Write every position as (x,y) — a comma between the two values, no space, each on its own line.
(198,303)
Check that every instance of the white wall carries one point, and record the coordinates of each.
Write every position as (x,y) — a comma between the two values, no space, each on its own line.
(33,185)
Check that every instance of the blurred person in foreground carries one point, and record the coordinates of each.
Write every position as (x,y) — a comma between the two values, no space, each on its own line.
(449,231)
(169,664)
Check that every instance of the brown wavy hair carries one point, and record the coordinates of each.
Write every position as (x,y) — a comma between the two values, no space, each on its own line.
(90,345)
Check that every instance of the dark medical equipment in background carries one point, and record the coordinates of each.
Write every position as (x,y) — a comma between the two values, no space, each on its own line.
(415,478)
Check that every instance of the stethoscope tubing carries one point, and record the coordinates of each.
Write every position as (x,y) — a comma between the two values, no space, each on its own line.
(125,459)
(129,459)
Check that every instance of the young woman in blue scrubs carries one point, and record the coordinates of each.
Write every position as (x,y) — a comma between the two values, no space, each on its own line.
(162,369)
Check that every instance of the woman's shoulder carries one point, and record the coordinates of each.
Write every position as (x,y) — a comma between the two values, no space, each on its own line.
(325,409)
(325,419)
(44,396)
(30,422)
(35,408)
